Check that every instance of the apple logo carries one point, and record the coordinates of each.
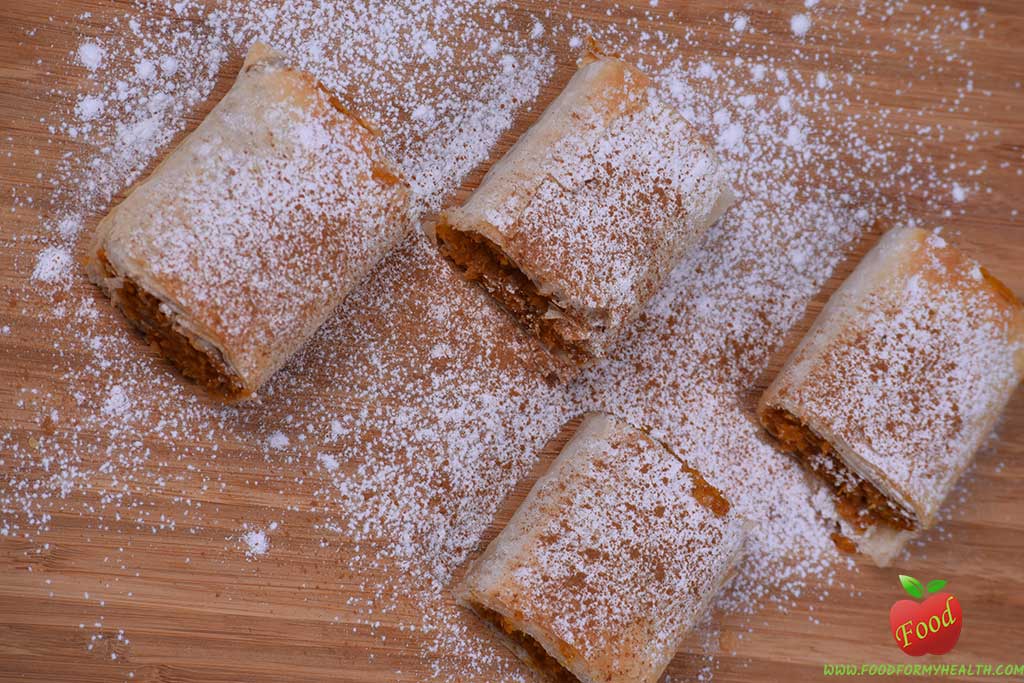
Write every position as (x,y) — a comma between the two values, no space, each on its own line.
(928,627)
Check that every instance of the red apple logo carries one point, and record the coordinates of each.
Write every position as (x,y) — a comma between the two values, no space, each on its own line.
(929,627)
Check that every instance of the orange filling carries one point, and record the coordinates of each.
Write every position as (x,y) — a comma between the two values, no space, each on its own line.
(706,494)
(536,656)
(703,492)
(482,261)
(143,310)
(858,501)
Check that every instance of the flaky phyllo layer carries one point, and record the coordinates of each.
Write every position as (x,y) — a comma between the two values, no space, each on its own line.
(524,645)
(580,223)
(240,244)
(858,501)
(484,262)
(893,390)
(195,359)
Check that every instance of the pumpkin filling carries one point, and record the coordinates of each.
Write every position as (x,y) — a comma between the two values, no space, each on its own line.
(143,310)
(858,501)
(481,260)
(534,653)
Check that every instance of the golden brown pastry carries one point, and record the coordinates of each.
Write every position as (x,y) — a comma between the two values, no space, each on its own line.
(578,225)
(897,384)
(608,563)
(238,246)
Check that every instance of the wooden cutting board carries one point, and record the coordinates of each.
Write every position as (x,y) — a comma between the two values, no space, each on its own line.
(191,612)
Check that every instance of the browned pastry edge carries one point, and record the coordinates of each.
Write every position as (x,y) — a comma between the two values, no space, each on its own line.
(539,659)
(858,501)
(142,309)
(482,261)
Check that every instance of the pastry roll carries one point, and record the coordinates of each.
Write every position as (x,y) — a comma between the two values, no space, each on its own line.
(609,562)
(238,246)
(896,385)
(582,220)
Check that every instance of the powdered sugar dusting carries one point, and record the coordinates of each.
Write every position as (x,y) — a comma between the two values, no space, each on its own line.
(90,55)
(302,184)
(624,534)
(256,543)
(52,265)
(418,407)
(574,239)
(598,202)
(919,363)
(574,243)
(800,24)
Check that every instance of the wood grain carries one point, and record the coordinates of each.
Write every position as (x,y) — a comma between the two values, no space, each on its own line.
(191,612)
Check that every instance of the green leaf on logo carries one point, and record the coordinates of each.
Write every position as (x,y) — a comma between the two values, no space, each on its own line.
(936,585)
(912,586)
